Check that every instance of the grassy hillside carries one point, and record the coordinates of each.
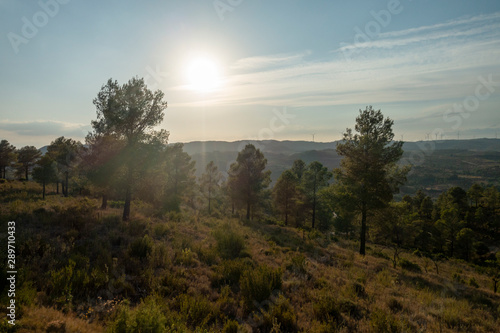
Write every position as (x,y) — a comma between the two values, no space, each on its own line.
(85,270)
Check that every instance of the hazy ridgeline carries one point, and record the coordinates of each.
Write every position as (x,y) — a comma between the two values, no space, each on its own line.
(119,233)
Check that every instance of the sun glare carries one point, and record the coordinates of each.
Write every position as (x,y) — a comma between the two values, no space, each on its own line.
(203,75)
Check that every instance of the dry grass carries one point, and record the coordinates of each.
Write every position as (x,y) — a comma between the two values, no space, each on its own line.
(366,293)
(37,319)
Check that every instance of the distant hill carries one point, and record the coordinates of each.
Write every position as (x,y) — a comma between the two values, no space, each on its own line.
(281,154)
(446,162)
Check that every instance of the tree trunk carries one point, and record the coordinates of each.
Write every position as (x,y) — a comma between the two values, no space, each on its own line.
(26,171)
(104,204)
(126,208)
(363,230)
(248,210)
(67,185)
(314,211)
(57,187)
(209,209)
(43,189)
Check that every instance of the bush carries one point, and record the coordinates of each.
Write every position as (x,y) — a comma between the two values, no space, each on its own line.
(229,243)
(196,311)
(147,317)
(358,289)
(327,310)
(282,314)
(231,326)
(380,254)
(298,265)
(186,258)
(229,272)
(381,322)
(473,283)
(394,305)
(258,284)
(141,247)
(409,266)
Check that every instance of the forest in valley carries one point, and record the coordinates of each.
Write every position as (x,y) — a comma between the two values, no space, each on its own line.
(119,234)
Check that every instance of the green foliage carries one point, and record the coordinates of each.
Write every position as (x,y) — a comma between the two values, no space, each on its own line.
(327,309)
(248,178)
(298,264)
(382,322)
(186,258)
(229,272)
(394,305)
(146,317)
(258,284)
(230,243)
(196,310)
(141,247)
(281,314)
(315,178)
(409,266)
(368,175)
(231,326)
(473,283)
(61,284)
(285,194)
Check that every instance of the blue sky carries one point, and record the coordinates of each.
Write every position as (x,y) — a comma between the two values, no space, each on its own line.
(287,69)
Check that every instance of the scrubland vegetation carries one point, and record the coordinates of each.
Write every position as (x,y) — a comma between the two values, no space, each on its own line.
(134,242)
(87,269)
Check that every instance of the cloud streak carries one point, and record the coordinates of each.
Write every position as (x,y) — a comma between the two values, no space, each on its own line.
(437,62)
(45,128)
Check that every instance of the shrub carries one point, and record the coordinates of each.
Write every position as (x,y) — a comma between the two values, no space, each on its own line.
(409,266)
(229,272)
(473,283)
(380,254)
(196,311)
(231,326)
(229,243)
(60,290)
(298,264)
(327,310)
(258,284)
(141,247)
(186,258)
(394,305)
(280,314)
(147,317)
(381,322)
(358,289)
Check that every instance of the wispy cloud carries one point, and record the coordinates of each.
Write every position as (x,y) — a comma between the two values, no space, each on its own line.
(438,62)
(261,62)
(45,128)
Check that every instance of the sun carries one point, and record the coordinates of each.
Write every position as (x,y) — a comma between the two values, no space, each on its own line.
(203,75)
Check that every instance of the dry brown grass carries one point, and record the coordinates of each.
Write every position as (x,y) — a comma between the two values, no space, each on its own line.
(37,319)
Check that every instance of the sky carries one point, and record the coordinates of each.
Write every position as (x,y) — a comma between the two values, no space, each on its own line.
(281,69)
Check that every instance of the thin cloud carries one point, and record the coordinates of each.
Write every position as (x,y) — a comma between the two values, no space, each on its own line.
(261,62)
(45,128)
